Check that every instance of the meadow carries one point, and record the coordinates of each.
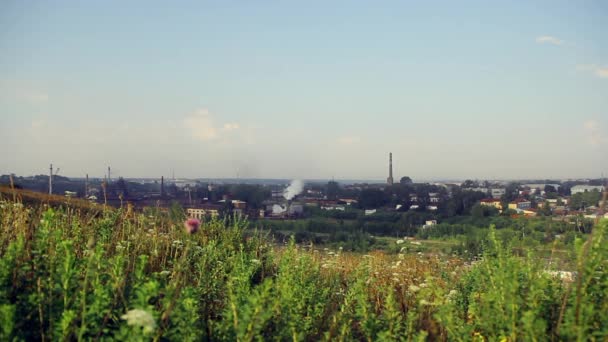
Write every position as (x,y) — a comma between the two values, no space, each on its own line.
(79,273)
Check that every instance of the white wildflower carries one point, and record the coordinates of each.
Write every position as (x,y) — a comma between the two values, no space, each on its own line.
(413,288)
(424,302)
(400,242)
(255,261)
(140,318)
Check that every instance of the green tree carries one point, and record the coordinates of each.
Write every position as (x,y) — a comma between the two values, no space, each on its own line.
(372,198)
(511,192)
(405,180)
(545,210)
(469,184)
(254,195)
(585,199)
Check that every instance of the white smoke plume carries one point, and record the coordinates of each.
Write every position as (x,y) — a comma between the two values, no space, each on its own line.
(278,209)
(293,189)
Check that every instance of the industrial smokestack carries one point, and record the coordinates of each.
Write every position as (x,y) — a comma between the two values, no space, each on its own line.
(389,180)
(51,179)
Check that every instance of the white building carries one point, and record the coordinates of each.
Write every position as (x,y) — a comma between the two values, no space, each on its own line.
(429,223)
(586,188)
(497,192)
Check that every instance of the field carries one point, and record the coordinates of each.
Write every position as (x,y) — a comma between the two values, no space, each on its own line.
(76,273)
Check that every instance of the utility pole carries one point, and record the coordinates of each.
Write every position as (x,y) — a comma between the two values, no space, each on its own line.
(51,179)
(109,177)
(162,186)
(86,186)
(51,174)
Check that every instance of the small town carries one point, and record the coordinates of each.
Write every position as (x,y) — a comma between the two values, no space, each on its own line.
(304,171)
(284,199)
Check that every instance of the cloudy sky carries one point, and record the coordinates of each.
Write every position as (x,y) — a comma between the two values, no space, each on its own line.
(308,89)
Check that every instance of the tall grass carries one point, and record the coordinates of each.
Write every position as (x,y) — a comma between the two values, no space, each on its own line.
(119,275)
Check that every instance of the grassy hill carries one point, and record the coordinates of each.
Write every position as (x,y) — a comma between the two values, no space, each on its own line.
(119,275)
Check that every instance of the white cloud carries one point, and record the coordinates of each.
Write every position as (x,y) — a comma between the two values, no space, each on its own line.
(230,126)
(202,126)
(595,136)
(348,140)
(549,40)
(599,71)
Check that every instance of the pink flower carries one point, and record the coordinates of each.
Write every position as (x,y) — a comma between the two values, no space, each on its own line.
(192,225)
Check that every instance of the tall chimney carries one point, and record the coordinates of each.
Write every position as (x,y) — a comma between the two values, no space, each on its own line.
(51,179)
(389,180)
(86,186)
(109,177)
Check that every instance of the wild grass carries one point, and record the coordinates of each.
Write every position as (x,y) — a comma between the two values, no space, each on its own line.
(69,274)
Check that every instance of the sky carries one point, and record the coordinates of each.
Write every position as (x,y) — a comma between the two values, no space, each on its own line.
(305,89)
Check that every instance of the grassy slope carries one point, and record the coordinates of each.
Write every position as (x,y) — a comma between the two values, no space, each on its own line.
(68,274)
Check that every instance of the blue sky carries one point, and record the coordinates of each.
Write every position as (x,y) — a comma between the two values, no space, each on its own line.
(314,89)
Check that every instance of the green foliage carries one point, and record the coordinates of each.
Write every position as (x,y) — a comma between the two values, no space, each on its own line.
(585,199)
(133,277)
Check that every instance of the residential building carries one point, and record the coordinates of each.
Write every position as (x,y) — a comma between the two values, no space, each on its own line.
(429,223)
(204,210)
(491,202)
(348,201)
(434,197)
(520,203)
(333,207)
(528,212)
(497,192)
